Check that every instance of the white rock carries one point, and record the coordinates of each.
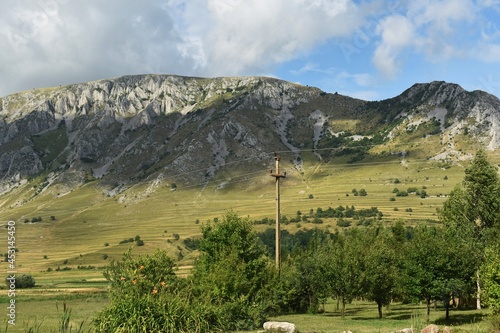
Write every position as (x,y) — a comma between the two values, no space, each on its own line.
(283,326)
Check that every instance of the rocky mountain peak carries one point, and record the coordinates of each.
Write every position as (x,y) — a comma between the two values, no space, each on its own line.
(434,93)
(144,127)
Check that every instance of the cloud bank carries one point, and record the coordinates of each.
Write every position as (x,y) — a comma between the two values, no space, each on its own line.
(56,42)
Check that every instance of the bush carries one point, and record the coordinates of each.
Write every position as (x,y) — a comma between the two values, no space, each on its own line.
(412,190)
(191,244)
(160,312)
(146,297)
(343,223)
(22,281)
(317,220)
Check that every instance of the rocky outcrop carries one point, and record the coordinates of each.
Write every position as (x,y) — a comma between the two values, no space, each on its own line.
(122,127)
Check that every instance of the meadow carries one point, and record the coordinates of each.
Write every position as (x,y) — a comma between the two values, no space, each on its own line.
(43,312)
(66,254)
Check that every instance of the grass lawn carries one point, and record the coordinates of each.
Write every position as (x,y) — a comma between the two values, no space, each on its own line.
(44,311)
(362,317)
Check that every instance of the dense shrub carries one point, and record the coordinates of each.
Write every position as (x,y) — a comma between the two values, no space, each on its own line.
(343,223)
(145,297)
(22,281)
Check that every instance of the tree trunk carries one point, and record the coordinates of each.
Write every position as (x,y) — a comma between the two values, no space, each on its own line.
(343,308)
(447,307)
(478,295)
(379,304)
(428,309)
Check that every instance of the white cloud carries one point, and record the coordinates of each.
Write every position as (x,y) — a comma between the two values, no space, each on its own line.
(56,42)
(253,35)
(437,30)
(62,42)
(439,17)
(396,32)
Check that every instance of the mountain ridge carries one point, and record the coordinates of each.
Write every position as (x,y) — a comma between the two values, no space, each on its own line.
(145,127)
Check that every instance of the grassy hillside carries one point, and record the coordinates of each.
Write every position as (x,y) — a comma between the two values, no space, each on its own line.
(90,224)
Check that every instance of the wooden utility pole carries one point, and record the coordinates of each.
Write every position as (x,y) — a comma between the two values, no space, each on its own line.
(277,175)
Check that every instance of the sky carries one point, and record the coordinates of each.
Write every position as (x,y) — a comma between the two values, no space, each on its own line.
(365,49)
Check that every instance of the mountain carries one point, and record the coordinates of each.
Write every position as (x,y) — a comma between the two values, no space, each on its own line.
(192,130)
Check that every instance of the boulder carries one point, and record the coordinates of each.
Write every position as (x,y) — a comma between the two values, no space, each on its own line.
(430,329)
(280,326)
(446,329)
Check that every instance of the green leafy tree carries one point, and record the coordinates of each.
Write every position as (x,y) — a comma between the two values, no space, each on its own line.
(490,272)
(380,262)
(474,210)
(435,266)
(312,276)
(233,272)
(345,267)
(482,186)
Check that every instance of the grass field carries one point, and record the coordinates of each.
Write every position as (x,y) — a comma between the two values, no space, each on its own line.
(90,224)
(66,255)
(361,317)
(44,311)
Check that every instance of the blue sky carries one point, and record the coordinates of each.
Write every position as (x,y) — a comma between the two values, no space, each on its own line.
(366,49)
